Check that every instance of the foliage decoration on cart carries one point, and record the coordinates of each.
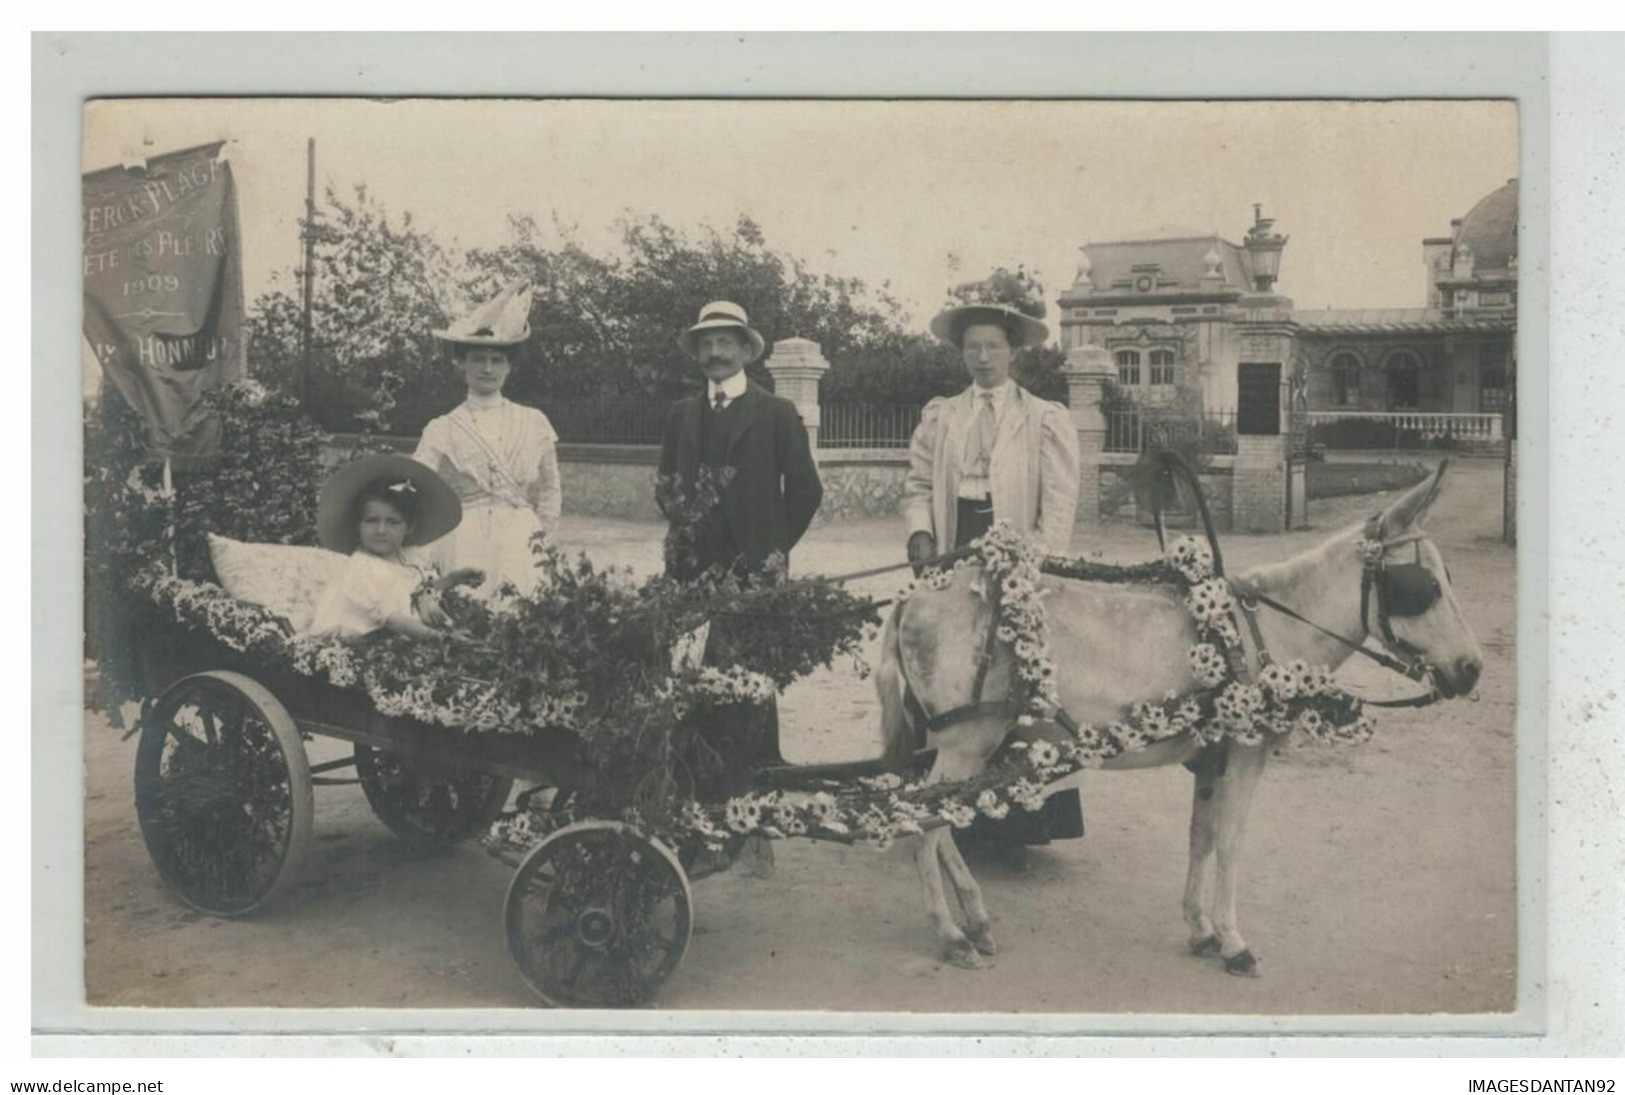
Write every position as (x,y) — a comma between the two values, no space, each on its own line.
(1295,697)
(587,651)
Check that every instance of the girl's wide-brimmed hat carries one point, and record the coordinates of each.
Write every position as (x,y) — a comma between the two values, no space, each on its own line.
(1033,331)
(504,320)
(723,313)
(438,508)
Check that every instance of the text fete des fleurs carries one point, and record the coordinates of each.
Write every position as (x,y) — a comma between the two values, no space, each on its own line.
(109,225)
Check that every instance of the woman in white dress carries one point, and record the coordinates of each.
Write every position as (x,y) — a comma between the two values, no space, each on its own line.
(500,458)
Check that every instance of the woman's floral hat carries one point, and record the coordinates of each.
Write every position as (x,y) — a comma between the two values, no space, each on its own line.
(438,508)
(999,299)
(504,320)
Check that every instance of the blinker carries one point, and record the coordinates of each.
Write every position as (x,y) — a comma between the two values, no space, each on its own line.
(1409,589)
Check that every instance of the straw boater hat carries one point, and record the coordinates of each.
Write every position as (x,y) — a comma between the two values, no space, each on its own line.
(723,313)
(1033,332)
(504,320)
(439,511)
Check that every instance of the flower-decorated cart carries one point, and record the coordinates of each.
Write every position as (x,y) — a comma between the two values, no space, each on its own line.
(608,828)
(200,596)
(628,710)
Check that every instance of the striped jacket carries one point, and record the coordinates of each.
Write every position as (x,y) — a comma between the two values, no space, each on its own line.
(1033,473)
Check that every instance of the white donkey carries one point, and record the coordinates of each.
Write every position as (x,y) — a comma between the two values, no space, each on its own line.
(1115,645)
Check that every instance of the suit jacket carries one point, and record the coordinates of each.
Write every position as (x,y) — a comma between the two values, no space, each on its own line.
(1033,469)
(775,489)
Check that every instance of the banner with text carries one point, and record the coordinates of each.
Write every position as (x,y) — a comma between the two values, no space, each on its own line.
(164,290)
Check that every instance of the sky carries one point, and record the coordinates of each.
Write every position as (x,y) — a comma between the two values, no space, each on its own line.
(920,195)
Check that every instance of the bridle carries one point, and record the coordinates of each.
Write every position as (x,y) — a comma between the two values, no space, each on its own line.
(1401,590)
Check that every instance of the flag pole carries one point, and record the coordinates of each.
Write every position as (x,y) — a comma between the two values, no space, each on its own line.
(169,512)
(309,234)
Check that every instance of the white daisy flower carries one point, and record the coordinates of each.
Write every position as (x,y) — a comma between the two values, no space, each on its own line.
(742,815)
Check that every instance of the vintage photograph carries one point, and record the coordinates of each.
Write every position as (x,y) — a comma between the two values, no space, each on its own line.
(1014,557)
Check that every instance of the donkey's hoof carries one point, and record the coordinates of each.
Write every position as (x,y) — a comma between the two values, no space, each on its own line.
(982,940)
(964,954)
(1208,944)
(1242,964)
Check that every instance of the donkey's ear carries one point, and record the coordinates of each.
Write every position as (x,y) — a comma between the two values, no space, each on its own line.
(1413,505)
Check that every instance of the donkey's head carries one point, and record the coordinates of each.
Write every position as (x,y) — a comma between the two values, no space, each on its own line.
(1406,597)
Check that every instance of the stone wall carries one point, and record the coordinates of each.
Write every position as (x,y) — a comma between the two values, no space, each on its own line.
(597,480)
(609,481)
(1117,496)
(861,483)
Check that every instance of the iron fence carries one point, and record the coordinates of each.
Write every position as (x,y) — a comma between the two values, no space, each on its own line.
(866,425)
(609,421)
(1134,430)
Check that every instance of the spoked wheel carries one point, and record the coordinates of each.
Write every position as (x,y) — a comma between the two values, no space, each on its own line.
(598,915)
(424,807)
(222,792)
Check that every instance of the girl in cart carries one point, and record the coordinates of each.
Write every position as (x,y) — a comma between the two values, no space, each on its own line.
(379,510)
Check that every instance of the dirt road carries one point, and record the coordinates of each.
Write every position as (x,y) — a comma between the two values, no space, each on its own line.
(1379,879)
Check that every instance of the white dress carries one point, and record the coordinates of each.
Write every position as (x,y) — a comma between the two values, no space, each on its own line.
(366,591)
(502,460)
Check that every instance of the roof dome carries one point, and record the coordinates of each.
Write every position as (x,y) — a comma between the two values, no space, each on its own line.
(1490,230)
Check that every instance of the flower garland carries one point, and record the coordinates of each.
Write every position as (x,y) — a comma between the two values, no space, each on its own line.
(1295,697)
(587,652)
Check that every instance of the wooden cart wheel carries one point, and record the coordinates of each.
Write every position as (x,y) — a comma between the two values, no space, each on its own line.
(222,792)
(425,807)
(599,915)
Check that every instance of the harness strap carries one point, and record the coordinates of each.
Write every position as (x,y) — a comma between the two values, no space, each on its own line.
(748,595)
(1245,593)
(1170,464)
(971,711)
(1249,613)
(984,662)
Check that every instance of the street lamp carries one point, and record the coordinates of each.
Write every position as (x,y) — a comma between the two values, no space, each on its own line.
(1264,246)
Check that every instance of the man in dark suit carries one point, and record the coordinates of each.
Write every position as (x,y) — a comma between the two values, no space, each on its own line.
(747,433)
(755,441)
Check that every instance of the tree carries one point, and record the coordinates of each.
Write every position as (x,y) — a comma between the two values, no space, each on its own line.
(382,286)
(575,348)
(610,326)
(600,325)
(903,367)
(666,277)
(913,368)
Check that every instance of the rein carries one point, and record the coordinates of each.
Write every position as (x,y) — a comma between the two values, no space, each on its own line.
(842,579)
(1411,667)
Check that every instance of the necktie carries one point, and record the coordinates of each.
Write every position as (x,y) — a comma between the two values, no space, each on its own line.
(983,433)
(720,400)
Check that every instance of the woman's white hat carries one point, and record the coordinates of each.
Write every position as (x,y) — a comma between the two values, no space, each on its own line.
(504,320)
(1033,331)
(438,508)
(722,313)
